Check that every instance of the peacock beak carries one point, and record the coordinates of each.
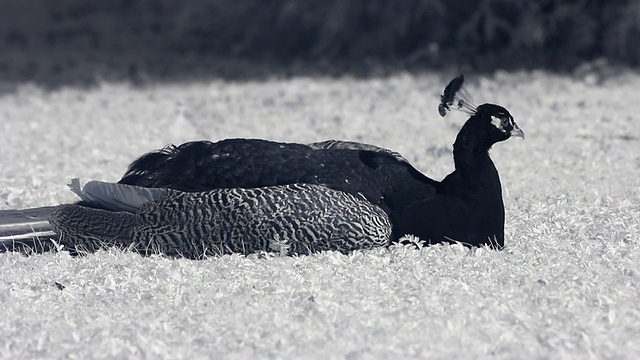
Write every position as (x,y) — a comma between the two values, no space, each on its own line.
(516,131)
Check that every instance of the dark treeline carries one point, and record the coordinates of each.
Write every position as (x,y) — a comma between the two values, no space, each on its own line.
(78,40)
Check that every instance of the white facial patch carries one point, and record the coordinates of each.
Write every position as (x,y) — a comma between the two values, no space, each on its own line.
(497,122)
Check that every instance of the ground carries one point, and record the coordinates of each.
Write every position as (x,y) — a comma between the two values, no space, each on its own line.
(566,286)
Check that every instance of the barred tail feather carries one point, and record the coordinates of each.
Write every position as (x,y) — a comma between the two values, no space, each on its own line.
(89,229)
(290,219)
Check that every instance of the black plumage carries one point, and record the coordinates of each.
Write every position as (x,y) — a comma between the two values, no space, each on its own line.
(465,207)
(468,205)
(382,176)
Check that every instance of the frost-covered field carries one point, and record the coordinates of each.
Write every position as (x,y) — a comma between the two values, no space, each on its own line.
(566,286)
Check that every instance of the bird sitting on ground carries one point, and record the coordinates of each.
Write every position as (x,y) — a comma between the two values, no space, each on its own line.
(465,207)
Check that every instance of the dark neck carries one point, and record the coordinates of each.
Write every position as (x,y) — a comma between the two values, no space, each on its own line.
(471,155)
(468,205)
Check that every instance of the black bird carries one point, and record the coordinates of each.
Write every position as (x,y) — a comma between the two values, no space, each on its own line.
(465,207)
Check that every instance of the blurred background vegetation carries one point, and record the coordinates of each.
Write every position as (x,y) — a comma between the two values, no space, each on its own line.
(81,41)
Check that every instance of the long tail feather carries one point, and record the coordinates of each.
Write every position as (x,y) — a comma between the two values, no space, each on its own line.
(91,229)
(292,219)
(26,230)
(30,231)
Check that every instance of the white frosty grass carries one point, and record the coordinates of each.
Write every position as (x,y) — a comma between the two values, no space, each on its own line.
(566,286)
